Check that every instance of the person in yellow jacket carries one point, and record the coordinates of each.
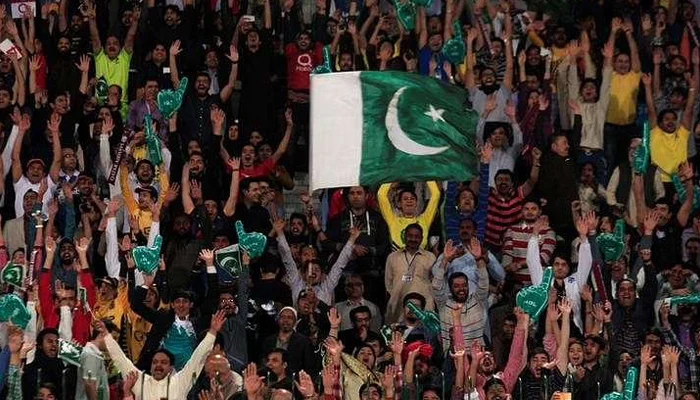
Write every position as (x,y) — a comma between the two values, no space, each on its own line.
(668,141)
(408,212)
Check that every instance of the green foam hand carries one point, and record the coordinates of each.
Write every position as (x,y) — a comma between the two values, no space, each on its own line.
(682,193)
(643,152)
(406,13)
(534,299)
(13,309)
(326,66)
(13,274)
(629,391)
(429,319)
(147,258)
(687,299)
(152,141)
(454,50)
(612,245)
(101,90)
(252,243)
(169,101)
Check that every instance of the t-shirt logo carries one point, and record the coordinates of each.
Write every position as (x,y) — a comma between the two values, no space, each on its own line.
(304,63)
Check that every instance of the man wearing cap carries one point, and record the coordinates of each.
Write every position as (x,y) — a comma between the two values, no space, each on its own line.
(35,168)
(300,353)
(176,329)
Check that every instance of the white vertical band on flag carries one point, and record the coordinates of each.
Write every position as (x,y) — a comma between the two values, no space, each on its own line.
(336,130)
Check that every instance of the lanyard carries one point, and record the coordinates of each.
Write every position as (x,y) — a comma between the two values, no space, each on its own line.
(409,264)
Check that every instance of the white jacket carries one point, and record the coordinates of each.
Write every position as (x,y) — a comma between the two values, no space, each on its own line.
(573,283)
(180,383)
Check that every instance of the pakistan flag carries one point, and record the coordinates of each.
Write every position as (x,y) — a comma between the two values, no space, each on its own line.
(369,128)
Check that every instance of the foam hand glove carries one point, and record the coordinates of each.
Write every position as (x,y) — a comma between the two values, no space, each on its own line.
(534,299)
(152,141)
(429,319)
(612,245)
(682,193)
(454,50)
(406,13)
(629,391)
(147,258)
(169,101)
(252,243)
(326,66)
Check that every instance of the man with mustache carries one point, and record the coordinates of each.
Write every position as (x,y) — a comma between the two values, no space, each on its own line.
(470,305)
(162,381)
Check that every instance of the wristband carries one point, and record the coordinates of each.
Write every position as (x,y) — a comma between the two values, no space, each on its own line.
(38,226)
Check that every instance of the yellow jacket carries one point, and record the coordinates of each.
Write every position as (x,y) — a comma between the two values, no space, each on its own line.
(398,223)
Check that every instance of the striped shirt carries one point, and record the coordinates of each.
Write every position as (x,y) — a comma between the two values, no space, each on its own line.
(472,318)
(503,212)
(515,242)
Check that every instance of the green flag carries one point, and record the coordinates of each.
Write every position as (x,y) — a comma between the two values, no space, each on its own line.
(229,260)
(375,127)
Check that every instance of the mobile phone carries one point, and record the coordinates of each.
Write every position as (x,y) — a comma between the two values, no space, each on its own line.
(249,18)
(545,52)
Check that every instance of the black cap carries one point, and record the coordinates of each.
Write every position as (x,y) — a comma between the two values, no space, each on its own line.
(113,282)
(150,189)
(183,294)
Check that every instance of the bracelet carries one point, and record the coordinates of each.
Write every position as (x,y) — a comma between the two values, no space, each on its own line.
(38,226)
(237,169)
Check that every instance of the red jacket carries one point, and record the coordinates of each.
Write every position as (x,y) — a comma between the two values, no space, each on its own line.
(81,317)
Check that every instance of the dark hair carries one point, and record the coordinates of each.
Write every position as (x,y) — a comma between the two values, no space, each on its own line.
(359,310)
(366,386)
(44,332)
(50,387)
(414,296)
(662,114)
(268,263)
(539,350)
(280,351)
(414,226)
(406,190)
(174,8)
(467,189)
(300,216)
(505,171)
(589,80)
(456,275)
(167,353)
(346,192)
(245,183)
(560,253)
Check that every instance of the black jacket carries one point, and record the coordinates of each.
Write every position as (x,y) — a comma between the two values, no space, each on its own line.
(52,370)
(161,320)
(300,353)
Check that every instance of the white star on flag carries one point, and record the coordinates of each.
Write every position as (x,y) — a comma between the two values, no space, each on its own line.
(435,113)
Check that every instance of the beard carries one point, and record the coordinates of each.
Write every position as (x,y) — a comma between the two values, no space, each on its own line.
(489,89)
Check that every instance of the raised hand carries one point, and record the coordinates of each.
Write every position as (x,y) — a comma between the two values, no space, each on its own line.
(207,256)
(84,64)
(233,54)
(333,346)
(397,343)
(334,318)
(305,385)
(130,381)
(217,322)
(451,251)
(475,248)
(175,48)
(251,381)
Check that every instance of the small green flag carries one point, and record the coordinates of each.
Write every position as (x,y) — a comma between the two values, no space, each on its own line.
(369,128)
(229,260)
